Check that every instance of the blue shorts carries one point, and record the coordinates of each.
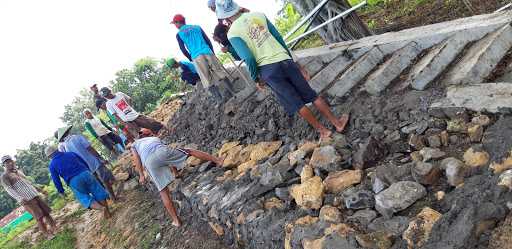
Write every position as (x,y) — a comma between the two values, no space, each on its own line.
(290,87)
(87,189)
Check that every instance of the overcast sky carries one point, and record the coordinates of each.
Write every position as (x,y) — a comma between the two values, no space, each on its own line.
(51,49)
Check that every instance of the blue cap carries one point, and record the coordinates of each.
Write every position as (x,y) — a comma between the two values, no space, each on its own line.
(211,3)
(226,8)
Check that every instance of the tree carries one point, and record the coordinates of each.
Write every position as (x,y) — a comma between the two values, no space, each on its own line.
(349,28)
(34,163)
(73,113)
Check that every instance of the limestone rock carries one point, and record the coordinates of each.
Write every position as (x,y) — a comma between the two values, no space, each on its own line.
(416,142)
(330,214)
(396,225)
(375,240)
(482,120)
(425,173)
(369,153)
(273,202)
(457,125)
(303,151)
(500,167)
(307,172)
(455,170)
(445,138)
(420,228)
(194,161)
(226,147)
(475,132)
(309,195)
(217,228)
(434,141)
(505,179)
(232,157)
(431,153)
(338,181)
(244,167)
(264,150)
(476,158)
(325,158)
(398,196)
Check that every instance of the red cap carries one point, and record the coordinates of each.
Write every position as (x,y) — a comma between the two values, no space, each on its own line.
(178,18)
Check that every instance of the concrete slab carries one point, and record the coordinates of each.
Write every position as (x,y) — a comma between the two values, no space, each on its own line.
(481,59)
(379,80)
(328,74)
(437,60)
(485,97)
(356,72)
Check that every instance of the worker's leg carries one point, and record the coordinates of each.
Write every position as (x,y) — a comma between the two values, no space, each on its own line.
(165,195)
(306,114)
(325,110)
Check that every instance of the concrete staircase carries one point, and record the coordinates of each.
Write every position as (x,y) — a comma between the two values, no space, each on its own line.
(460,52)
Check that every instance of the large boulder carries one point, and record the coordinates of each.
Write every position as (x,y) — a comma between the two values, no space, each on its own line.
(338,181)
(309,194)
(476,157)
(398,196)
(325,158)
(369,153)
(420,227)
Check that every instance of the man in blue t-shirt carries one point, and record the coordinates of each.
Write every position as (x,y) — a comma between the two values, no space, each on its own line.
(79,145)
(197,47)
(188,70)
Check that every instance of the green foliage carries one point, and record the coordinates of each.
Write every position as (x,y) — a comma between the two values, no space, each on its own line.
(7,203)
(146,82)
(288,18)
(7,241)
(64,240)
(73,112)
(33,162)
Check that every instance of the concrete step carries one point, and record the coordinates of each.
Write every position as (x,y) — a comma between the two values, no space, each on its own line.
(481,59)
(328,74)
(485,97)
(355,73)
(379,80)
(436,61)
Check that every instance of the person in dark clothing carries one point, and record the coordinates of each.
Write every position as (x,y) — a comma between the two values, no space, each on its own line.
(220,34)
(188,70)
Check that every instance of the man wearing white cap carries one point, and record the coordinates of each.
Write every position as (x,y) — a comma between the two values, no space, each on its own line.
(269,62)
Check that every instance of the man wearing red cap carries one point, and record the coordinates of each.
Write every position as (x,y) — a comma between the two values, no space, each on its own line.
(197,47)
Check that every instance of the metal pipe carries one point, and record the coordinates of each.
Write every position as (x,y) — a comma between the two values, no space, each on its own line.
(504,7)
(305,19)
(345,13)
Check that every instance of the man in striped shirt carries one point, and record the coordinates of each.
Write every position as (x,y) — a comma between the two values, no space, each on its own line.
(18,187)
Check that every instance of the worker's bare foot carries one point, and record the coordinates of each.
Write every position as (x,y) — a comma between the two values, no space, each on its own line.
(106,213)
(176,223)
(342,123)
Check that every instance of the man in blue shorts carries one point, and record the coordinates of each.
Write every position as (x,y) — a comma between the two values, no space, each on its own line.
(269,62)
(70,167)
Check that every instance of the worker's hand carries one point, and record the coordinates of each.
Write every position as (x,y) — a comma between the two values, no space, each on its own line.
(260,85)
(142,180)
(224,49)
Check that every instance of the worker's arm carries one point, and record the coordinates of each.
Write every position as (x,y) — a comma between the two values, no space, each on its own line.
(183,48)
(232,51)
(272,29)
(56,179)
(106,125)
(246,55)
(205,37)
(89,128)
(138,165)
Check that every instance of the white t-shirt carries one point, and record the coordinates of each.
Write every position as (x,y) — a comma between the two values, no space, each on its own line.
(98,127)
(119,105)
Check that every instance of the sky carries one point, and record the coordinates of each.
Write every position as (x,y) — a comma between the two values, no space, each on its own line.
(50,50)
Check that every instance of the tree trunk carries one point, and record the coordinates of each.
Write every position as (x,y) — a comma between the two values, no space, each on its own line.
(344,29)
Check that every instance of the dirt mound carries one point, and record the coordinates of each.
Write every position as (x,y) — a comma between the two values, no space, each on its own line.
(165,111)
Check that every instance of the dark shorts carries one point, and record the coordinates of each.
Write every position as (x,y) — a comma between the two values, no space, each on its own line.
(37,208)
(110,140)
(145,122)
(289,86)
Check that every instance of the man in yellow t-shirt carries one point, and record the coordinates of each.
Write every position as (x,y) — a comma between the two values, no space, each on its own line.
(269,62)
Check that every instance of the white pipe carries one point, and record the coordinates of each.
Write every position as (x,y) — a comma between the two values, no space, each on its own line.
(345,13)
(504,7)
(305,19)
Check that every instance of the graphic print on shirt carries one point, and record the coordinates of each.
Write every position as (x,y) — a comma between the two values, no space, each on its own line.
(123,106)
(257,31)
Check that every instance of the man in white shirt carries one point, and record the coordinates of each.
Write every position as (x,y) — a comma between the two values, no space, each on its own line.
(119,105)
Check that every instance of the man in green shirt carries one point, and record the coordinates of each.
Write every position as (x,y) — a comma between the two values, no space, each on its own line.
(101,131)
(269,62)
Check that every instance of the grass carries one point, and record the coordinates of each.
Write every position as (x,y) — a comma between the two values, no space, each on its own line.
(64,240)
(7,241)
